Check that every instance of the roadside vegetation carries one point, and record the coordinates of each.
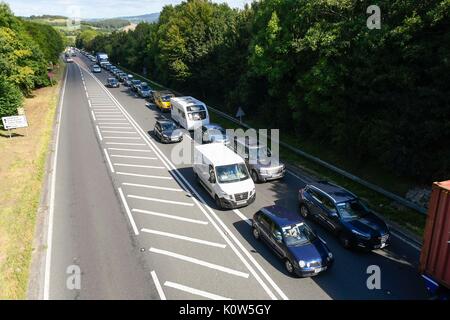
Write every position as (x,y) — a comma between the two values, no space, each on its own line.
(313,68)
(373,102)
(27,50)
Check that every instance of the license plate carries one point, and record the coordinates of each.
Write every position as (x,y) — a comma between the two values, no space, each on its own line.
(317,270)
(240,202)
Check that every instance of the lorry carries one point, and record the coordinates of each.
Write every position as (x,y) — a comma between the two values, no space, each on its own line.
(102,58)
(434,264)
(224,176)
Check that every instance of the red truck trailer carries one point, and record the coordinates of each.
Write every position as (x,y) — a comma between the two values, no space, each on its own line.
(435,255)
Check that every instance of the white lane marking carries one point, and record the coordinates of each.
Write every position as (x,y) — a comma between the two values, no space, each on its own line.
(109,160)
(93,116)
(116,127)
(124,138)
(151,187)
(127,144)
(137,166)
(48,255)
(126,132)
(243,217)
(185,238)
(143,176)
(187,204)
(183,182)
(89,102)
(111,119)
(107,112)
(127,209)
(194,291)
(169,216)
(99,133)
(113,123)
(200,262)
(162,296)
(135,150)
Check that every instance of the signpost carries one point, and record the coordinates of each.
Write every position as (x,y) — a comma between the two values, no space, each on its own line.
(14,122)
(239,114)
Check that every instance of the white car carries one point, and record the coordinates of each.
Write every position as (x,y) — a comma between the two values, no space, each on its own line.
(96,69)
(224,176)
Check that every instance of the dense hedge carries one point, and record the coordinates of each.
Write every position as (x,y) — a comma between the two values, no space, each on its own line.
(26,48)
(314,69)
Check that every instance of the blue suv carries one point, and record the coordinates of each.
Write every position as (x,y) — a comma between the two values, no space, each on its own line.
(287,234)
(342,213)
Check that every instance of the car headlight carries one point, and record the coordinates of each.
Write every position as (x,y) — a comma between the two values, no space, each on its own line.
(263,171)
(302,263)
(361,234)
(330,255)
(227,196)
(252,192)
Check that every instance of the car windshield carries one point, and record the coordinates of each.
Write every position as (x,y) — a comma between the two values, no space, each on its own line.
(168,126)
(298,234)
(351,210)
(112,80)
(166,98)
(195,108)
(197,115)
(136,82)
(145,88)
(260,152)
(231,173)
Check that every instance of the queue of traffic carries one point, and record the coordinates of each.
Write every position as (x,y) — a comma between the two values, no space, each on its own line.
(228,169)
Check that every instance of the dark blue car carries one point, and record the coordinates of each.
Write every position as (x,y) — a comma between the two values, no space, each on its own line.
(303,252)
(342,213)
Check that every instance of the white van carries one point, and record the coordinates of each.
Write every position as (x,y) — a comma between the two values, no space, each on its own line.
(224,175)
(189,112)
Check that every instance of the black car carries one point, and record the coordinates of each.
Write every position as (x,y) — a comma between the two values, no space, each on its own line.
(342,213)
(290,237)
(167,131)
(112,83)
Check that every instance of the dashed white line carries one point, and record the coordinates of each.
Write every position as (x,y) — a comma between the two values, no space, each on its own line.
(124,138)
(162,296)
(151,187)
(144,176)
(194,291)
(187,204)
(99,133)
(135,150)
(126,143)
(126,132)
(93,116)
(127,209)
(185,238)
(109,160)
(199,262)
(137,166)
(169,216)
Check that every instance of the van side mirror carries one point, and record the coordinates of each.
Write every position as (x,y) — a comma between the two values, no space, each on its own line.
(278,236)
(212,178)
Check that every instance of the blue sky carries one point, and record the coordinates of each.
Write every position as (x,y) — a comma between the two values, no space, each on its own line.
(97,8)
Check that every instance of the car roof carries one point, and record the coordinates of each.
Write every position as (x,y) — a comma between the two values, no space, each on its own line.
(282,216)
(337,193)
(218,154)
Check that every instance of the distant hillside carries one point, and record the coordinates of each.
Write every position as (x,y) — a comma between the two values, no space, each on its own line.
(151,17)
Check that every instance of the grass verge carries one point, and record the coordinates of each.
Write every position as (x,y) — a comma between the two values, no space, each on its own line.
(21,179)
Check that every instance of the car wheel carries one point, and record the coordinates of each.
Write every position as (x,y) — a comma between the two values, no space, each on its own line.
(304,211)
(345,241)
(255,177)
(289,266)
(256,234)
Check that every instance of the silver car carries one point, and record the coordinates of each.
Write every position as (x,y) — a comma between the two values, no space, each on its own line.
(259,159)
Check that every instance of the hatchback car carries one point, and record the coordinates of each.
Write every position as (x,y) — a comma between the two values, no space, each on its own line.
(342,213)
(167,131)
(135,85)
(212,133)
(289,236)
(112,83)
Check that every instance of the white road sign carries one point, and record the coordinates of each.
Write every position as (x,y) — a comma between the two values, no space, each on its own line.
(14,122)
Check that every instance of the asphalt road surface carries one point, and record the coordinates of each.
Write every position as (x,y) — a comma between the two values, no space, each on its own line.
(138,225)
